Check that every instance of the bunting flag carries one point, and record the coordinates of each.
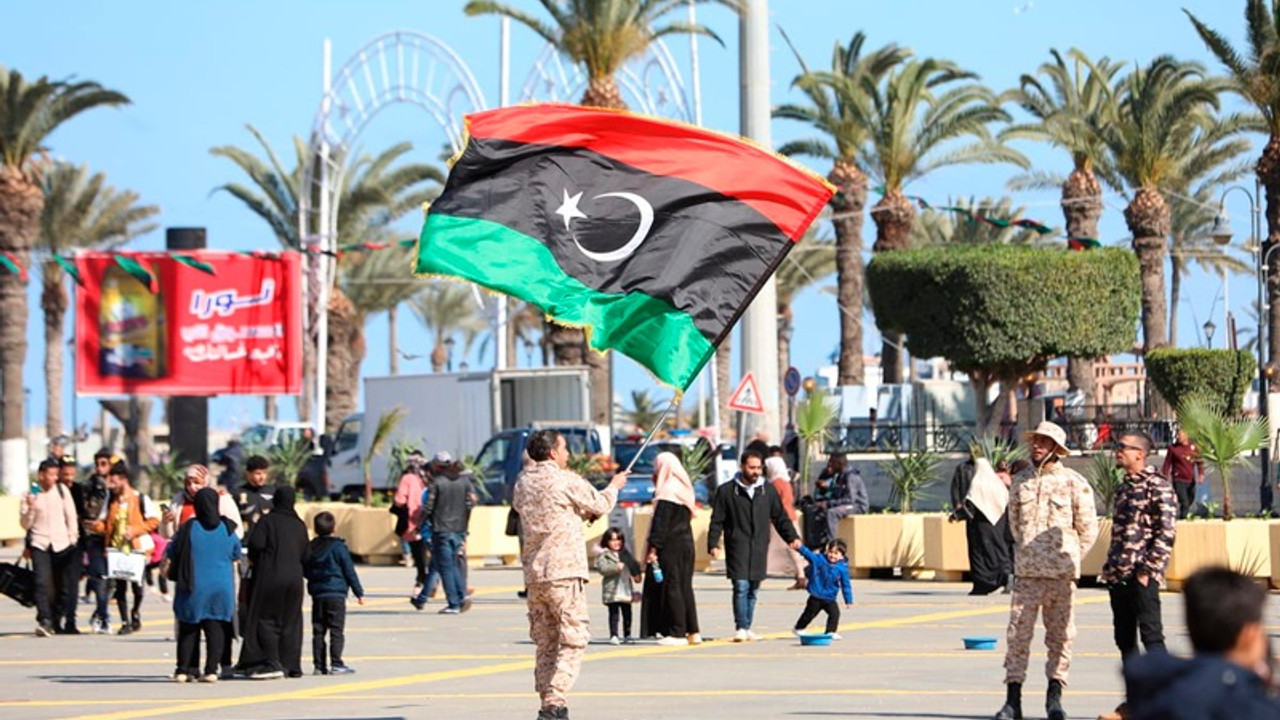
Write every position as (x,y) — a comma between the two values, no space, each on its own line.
(192,262)
(69,266)
(9,262)
(653,236)
(138,270)
(1082,243)
(1073,242)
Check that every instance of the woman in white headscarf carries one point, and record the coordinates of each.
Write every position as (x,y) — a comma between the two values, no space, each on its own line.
(669,608)
(778,475)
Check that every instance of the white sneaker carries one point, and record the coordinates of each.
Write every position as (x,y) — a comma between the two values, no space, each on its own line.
(836,636)
(752,636)
(797,632)
(613,640)
(695,638)
(741,636)
(673,641)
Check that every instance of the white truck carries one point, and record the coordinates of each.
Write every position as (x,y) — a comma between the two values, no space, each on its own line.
(455,412)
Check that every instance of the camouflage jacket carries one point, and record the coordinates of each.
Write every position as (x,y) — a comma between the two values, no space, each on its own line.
(1142,527)
(1053,520)
(552,503)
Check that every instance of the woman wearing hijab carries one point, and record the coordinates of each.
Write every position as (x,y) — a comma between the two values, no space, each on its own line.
(986,503)
(775,469)
(273,629)
(669,608)
(202,557)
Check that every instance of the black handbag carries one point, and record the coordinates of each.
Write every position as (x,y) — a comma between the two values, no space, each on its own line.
(513,523)
(18,583)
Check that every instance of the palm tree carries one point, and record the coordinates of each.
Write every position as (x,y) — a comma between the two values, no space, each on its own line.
(375,193)
(806,265)
(80,211)
(445,308)
(1253,76)
(601,36)
(1060,98)
(916,115)
(378,282)
(838,116)
(29,113)
(944,227)
(1224,442)
(1165,135)
(644,413)
(1190,223)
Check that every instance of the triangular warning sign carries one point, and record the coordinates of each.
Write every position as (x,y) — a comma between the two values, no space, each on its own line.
(747,397)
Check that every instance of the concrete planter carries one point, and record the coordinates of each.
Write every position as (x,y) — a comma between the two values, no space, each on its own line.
(885,541)
(946,548)
(10,519)
(487,535)
(1243,545)
(369,532)
(1092,562)
(643,519)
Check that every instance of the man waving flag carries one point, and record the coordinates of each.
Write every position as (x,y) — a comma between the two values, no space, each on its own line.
(652,235)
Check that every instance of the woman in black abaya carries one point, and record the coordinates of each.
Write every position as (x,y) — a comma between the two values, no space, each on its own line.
(277,549)
(669,608)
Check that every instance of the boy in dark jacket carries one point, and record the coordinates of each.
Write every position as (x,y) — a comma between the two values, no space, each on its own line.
(1229,674)
(330,573)
(828,578)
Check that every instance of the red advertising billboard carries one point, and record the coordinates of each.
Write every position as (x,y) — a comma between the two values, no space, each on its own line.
(237,330)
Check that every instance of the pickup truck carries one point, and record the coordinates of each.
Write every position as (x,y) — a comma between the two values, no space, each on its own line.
(502,457)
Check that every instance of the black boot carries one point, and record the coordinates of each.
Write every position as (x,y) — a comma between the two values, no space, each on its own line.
(1012,709)
(1053,701)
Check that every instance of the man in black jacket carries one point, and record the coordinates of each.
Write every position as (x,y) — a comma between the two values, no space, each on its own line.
(449,509)
(743,510)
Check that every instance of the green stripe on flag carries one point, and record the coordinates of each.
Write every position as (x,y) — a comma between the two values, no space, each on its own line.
(648,330)
(192,262)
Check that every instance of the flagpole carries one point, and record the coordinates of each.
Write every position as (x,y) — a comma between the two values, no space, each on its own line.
(675,399)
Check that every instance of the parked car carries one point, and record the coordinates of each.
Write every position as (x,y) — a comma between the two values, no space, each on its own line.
(639,489)
(502,457)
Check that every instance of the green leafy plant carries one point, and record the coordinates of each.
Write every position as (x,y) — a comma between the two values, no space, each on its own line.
(398,456)
(909,475)
(815,415)
(478,476)
(1224,441)
(1223,375)
(697,459)
(288,460)
(997,450)
(594,468)
(1105,479)
(387,423)
(166,477)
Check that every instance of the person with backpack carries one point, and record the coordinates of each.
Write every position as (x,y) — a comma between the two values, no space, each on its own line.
(49,517)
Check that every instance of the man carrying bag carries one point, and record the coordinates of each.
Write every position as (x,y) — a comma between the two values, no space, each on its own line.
(49,517)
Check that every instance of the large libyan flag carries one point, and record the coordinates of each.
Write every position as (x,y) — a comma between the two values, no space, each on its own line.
(654,236)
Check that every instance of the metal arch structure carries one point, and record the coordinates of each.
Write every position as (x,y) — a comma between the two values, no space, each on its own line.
(650,83)
(396,68)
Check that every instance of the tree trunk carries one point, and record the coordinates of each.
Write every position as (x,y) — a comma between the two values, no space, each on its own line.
(439,357)
(53,301)
(724,354)
(1082,209)
(1175,291)
(1148,220)
(346,351)
(893,217)
(987,414)
(603,92)
(848,203)
(1268,169)
(270,408)
(394,363)
(21,203)
(134,414)
(784,345)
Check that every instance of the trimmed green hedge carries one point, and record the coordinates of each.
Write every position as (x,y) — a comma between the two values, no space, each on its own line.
(1219,375)
(1005,309)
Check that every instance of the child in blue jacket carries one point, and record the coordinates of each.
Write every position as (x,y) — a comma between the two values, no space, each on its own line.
(828,577)
(330,574)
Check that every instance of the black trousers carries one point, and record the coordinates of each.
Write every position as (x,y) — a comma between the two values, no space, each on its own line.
(69,593)
(121,594)
(54,581)
(815,606)
(418,551)
(616,610)
(328,615)
(1186,497)
(216,633)
(1135,610)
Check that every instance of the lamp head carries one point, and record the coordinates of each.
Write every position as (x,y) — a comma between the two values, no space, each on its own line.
(1221,230)
(1209,329)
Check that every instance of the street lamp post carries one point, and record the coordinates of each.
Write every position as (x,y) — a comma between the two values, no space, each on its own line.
(1262,248)
(1209,329)
(448,346)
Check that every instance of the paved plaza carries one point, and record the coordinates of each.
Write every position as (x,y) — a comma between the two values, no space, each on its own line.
(901,657)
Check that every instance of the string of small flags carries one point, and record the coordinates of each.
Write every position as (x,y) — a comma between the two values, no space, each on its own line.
(1073,242)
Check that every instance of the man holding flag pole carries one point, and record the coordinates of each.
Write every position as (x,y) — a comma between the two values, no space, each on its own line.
(651,235)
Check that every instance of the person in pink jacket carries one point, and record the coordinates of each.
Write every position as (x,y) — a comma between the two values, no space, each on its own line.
(49,517)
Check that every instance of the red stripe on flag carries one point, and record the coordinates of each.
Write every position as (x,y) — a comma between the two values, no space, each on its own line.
(789,196)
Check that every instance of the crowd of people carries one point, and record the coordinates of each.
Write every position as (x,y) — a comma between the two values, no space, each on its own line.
(240,559)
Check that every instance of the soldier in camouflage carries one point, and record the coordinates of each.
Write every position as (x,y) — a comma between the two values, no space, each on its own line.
(1054,522)
(1142,531)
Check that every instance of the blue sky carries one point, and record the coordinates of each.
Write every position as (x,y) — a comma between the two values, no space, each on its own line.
(198,72)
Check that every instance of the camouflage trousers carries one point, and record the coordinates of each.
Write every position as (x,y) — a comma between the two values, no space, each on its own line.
(1056,598)
(558,627)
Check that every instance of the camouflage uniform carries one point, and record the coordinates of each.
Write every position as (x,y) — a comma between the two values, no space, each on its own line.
(1054,522)
(552,502)
(1143,528)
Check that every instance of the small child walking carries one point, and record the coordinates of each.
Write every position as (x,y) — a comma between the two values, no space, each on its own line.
(828,577)
(621,572)
(330,574)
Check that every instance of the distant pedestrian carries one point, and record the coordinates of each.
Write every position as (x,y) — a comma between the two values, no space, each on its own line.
(848,492)
(1143,528)
(670,608)
(69,589)
(1183,466)
(1229,676)
(331,574)
(202,563)
(1054,522)
(980,498)
(407,508)
(448,507)
(780,478)
(742,512)
(617,591)
(272,629)
(92,510)
(552,502)
(254,497)
(130,519)
(828,578)
(49,517)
